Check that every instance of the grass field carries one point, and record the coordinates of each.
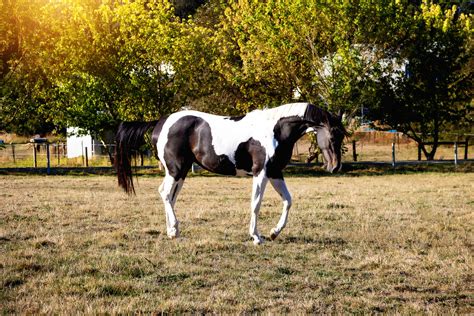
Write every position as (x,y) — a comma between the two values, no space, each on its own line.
(359,244)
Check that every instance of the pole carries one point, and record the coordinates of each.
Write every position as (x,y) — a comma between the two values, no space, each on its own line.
(455,154)
(58,153)
(48,159)
(354,152)
(419,152)
(393,155)
(87,157)
(466,145)
(35,163)
(13,153)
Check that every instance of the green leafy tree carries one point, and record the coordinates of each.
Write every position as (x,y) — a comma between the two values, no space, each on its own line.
(329,52)
(109,62)
(91,64)
(23,81)
(434,92)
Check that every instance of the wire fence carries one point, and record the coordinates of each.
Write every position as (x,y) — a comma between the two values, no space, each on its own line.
(361,147)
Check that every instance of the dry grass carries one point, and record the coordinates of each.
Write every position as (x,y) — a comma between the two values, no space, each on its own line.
(393,243)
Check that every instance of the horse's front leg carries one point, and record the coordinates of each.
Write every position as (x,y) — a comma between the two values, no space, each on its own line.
(259,183)
(280,186)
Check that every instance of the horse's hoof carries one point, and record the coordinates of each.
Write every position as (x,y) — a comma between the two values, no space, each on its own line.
(273,234)
(257,240)
(173,233)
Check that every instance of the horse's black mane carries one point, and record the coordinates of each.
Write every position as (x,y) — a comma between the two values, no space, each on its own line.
(323,117)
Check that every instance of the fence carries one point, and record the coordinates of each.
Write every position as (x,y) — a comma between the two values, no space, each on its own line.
(47,155)
(362,147)
(379,146)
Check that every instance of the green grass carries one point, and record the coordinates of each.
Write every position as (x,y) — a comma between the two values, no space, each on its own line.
(354,244)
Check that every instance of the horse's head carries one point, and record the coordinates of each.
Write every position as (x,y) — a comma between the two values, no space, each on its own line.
(329,136)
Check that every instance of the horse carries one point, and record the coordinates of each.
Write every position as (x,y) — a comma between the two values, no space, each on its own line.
(259,144)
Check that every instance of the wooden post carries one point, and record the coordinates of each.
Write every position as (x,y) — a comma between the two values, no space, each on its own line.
(354,153)
(419,152)
(87,156)
(466,145)
(13,153)
(393,155)
(58,154)
(48,159)
(455,154)
(35,163)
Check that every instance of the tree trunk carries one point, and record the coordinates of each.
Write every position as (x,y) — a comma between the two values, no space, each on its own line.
(410,132)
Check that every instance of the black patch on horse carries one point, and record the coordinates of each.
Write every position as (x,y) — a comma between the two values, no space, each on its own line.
(235,118)
(250,156)
(286,131)
(190,139)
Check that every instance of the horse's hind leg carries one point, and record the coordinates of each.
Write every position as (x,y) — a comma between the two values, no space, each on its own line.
(169,190)
(280,186)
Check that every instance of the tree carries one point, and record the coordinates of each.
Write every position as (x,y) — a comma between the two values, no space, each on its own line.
(102,62)
(328,52)
(435,88)
(23,81)
(108,64)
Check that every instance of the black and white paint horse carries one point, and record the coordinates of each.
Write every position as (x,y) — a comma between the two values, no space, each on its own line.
(259,143)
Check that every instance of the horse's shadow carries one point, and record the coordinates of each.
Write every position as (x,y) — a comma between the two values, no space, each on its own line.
(326,241)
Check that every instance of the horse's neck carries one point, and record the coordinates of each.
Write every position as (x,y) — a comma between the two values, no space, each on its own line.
(288,130)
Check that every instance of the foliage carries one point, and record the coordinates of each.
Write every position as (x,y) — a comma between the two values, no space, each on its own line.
(24,84)
(328,52)
(111,61)
(435,87)
(118,69)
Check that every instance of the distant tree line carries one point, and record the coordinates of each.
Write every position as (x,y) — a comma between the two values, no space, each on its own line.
(92,63)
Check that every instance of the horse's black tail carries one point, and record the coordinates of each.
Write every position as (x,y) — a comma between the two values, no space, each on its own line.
(129,138)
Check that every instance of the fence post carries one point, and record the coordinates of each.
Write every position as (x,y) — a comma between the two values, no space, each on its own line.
(393,155)
(466,145)
(455,154)
(419,152)
(35,163)
(58,154)
(48,159)
(13,153)
(354,153)
(87,157)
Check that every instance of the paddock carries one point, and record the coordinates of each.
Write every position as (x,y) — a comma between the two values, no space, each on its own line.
(353,244)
